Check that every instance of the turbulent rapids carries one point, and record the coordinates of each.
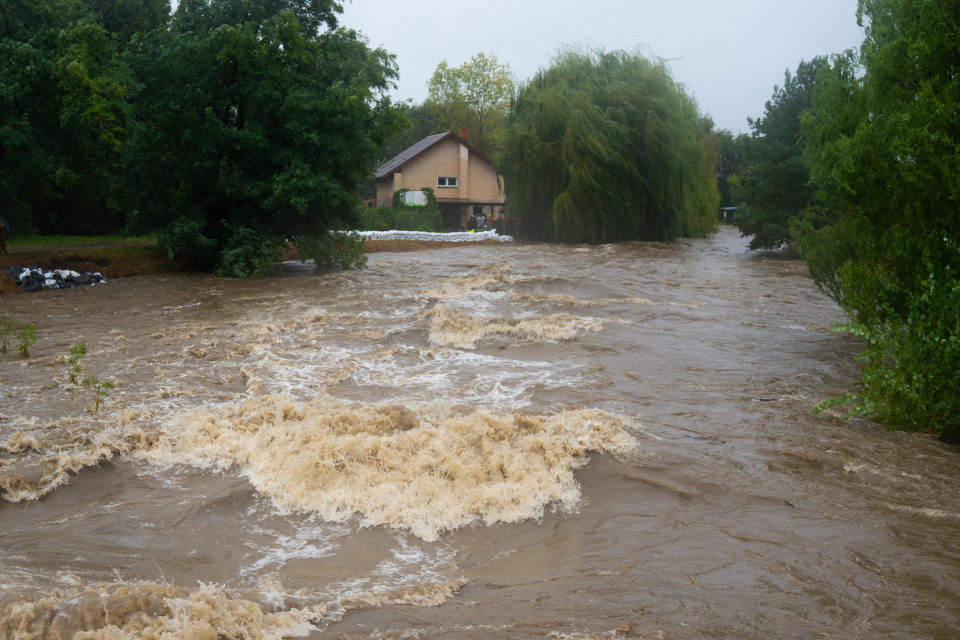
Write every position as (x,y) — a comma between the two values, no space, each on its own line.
(499,441)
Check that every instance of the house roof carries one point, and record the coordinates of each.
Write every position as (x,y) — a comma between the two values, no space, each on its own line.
(415,150)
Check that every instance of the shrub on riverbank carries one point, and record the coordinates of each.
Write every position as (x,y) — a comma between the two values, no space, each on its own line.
(883,146)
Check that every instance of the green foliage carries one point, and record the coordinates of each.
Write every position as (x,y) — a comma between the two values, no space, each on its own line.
(730,164)
(335,251)
(233,117)
(606,147)
(77,353)
(774,186)
(379,219)
(184,240)
(254,120)
(910,378)
(883,147)
(6,331)
(248,253)
(26,336)
(64,118)
(411,218)
(99,390)
(474,96)
(124,18)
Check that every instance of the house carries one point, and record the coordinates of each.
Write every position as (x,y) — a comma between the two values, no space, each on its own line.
(462,179)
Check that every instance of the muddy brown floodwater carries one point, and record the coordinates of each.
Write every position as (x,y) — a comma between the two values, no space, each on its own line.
(487,442)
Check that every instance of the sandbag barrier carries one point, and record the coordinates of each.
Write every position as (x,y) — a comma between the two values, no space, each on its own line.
(31,279)
(426,236)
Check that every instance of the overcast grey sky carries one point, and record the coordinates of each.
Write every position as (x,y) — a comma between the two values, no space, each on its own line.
(728,54)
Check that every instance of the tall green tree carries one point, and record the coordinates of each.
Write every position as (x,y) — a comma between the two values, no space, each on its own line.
(605,147)
(775,187)
(259,118)
(883,145)
(474,96)
(124,18)
(63,118)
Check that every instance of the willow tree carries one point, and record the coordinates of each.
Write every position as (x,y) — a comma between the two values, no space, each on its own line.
(603,147)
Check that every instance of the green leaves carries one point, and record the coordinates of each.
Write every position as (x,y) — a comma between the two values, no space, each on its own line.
(474,96)
(237,123)
(256,128)
(605,147)
(883,145)
(774,186)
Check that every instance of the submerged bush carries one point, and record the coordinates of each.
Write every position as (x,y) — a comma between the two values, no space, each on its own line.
(338,250)
(911,373)
(248,253)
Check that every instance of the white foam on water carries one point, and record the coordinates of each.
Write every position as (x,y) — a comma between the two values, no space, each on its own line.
(395,466)
(309,542)
(414,576)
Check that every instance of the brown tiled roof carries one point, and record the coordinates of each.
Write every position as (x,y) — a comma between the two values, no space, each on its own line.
(414,150)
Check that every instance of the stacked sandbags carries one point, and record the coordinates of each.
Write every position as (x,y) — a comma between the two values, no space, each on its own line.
(466,236)
(31,279)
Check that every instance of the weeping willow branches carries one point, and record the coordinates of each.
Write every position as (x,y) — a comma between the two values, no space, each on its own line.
(605,147)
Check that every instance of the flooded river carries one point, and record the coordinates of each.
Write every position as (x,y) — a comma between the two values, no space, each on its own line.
(482,442)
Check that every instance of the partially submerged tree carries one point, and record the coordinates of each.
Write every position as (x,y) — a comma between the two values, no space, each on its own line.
(605,147)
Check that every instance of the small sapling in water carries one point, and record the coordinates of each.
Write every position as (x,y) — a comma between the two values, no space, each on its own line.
(99,388)
(26,337)
(6,329)
(77,351)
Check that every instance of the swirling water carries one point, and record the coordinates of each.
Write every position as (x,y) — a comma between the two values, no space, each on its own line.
(504,441)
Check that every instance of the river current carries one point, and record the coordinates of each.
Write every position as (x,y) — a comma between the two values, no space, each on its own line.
(513,441)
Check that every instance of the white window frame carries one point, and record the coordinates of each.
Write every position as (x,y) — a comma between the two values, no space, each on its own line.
(448,182)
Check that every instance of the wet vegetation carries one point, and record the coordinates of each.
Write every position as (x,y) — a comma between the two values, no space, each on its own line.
(604,147)
(866,148)
(226,127)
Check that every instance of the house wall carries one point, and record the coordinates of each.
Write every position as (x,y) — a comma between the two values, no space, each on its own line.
(477,179)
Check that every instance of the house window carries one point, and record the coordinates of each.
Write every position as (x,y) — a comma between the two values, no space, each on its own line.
(447,181)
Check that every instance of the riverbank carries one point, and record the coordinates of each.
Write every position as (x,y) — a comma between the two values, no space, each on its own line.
(114,258)
(124,258)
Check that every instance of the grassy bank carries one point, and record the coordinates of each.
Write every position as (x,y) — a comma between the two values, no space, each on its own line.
(116,257)
(112,256)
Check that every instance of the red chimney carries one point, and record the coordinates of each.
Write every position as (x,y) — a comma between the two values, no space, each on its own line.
(464,134)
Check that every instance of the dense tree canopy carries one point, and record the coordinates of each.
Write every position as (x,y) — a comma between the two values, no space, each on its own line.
(605,147)
(774,186)
(474,96)
(260,127)
(730,163)
(230,127)
(883,146)
(63,117)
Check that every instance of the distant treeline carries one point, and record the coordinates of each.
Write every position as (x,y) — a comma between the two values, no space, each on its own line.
(229,126)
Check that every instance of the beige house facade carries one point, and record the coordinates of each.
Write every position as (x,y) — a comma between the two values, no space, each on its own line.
(462,179)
